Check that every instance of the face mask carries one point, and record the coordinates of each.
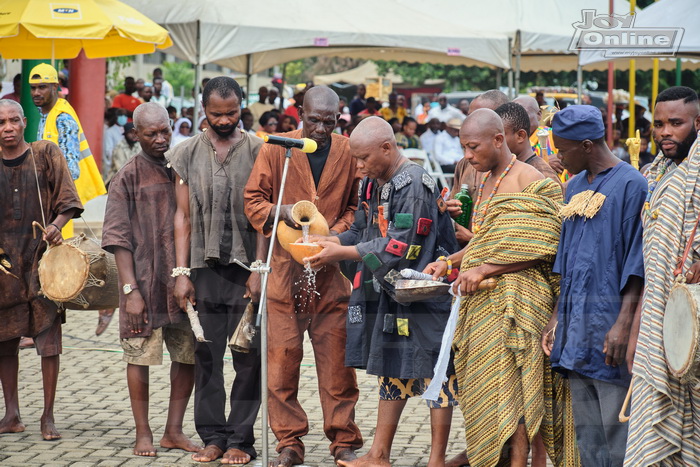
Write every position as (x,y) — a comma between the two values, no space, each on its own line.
(121,120)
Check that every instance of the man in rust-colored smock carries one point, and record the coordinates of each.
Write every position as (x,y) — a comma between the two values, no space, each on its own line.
(327,178)
(23,312)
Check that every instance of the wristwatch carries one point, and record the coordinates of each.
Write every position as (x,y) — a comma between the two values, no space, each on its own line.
(128,288)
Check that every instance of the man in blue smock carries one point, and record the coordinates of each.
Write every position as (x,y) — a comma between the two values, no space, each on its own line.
(602,276)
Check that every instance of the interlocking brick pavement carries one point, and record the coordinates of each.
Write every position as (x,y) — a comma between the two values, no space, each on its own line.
(94,416)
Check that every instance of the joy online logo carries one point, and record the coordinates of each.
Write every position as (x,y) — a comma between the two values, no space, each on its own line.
(617,36)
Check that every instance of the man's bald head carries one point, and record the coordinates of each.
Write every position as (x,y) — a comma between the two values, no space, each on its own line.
(152,126)
(482,138)
(372,131)
(491,99)
(373,146)
(150,113)
(319,114)
(532,108)
(320,97)
(482,122)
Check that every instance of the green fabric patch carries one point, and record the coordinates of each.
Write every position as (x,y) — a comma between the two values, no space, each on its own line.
(372,262)
(403,220)
(402,326)
(413,251)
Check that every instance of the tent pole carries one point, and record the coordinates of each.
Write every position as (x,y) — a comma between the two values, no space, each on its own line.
(248,73)
(654,93)
(678,72)
(510,69)
(579,82)
(611,78)
(197,79)
(518,52)
(632,124)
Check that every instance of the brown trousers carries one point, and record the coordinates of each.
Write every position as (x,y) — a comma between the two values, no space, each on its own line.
(337,384)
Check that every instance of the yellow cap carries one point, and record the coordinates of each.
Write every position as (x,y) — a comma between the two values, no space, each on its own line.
(43,73)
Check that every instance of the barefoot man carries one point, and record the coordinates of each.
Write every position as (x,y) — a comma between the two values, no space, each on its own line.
(327,178)
(211,234)
(397,342)
(138,229)
(507,390)
(51,200)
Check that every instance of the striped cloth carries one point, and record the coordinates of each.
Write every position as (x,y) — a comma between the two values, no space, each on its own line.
(503,374)
(665,416)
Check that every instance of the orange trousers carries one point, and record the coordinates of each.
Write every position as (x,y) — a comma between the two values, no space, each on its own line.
(337,384)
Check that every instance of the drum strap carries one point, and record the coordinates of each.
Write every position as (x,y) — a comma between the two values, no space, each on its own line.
(681,261)
(38,191)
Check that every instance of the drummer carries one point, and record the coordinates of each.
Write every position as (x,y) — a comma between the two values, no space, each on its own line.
(399,224)
(35,185)
(602,274)
(138,229)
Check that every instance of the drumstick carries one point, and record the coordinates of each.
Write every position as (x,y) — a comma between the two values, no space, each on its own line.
(2,268)
(622,417)
(194,322)
(35,224)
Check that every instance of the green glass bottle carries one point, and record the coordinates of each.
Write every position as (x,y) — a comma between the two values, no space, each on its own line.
(465,218)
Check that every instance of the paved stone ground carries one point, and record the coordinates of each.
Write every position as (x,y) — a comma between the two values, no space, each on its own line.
(94,416)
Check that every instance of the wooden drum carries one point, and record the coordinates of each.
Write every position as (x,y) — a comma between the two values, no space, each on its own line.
(681,331)
(79,274)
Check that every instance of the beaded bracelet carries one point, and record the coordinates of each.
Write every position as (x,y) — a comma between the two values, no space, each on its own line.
(449,264)
(180,271)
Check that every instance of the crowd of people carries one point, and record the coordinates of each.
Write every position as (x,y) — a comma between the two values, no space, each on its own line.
(560,279)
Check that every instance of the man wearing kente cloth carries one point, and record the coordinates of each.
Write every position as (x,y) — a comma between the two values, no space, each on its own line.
(665,415)
(327,178)
(602,275)
(35,185)
(507,390)
(401,223)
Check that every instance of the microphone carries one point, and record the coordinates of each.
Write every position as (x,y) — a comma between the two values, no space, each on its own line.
(305,144)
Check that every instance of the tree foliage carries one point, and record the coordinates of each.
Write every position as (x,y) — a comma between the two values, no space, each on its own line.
(179,74)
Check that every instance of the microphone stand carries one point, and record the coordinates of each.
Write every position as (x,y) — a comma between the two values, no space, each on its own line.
(261,321)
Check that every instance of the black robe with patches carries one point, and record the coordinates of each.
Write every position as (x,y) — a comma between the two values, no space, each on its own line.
(385,337)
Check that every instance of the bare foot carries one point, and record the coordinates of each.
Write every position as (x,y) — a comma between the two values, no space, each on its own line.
(48,429)
(144,445)
(287,458)
(11,424)
(365,461)
(208,454)
(179,441)
(459,460)
(235,456)
(345,454)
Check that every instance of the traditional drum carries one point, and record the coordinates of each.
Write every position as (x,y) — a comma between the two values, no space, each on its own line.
(79,273)
(681,329)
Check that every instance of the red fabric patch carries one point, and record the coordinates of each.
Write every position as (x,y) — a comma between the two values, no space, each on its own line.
(368,192)
(357,282)
(396,247)
(424,226)
(453,275)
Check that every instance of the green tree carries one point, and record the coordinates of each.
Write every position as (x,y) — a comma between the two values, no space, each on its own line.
(179,74)
(457,77)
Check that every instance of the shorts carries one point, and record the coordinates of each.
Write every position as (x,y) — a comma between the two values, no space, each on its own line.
(146,351)
(48,342)
(396,389)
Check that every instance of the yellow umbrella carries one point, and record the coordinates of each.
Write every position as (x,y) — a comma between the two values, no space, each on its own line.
(38,29)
